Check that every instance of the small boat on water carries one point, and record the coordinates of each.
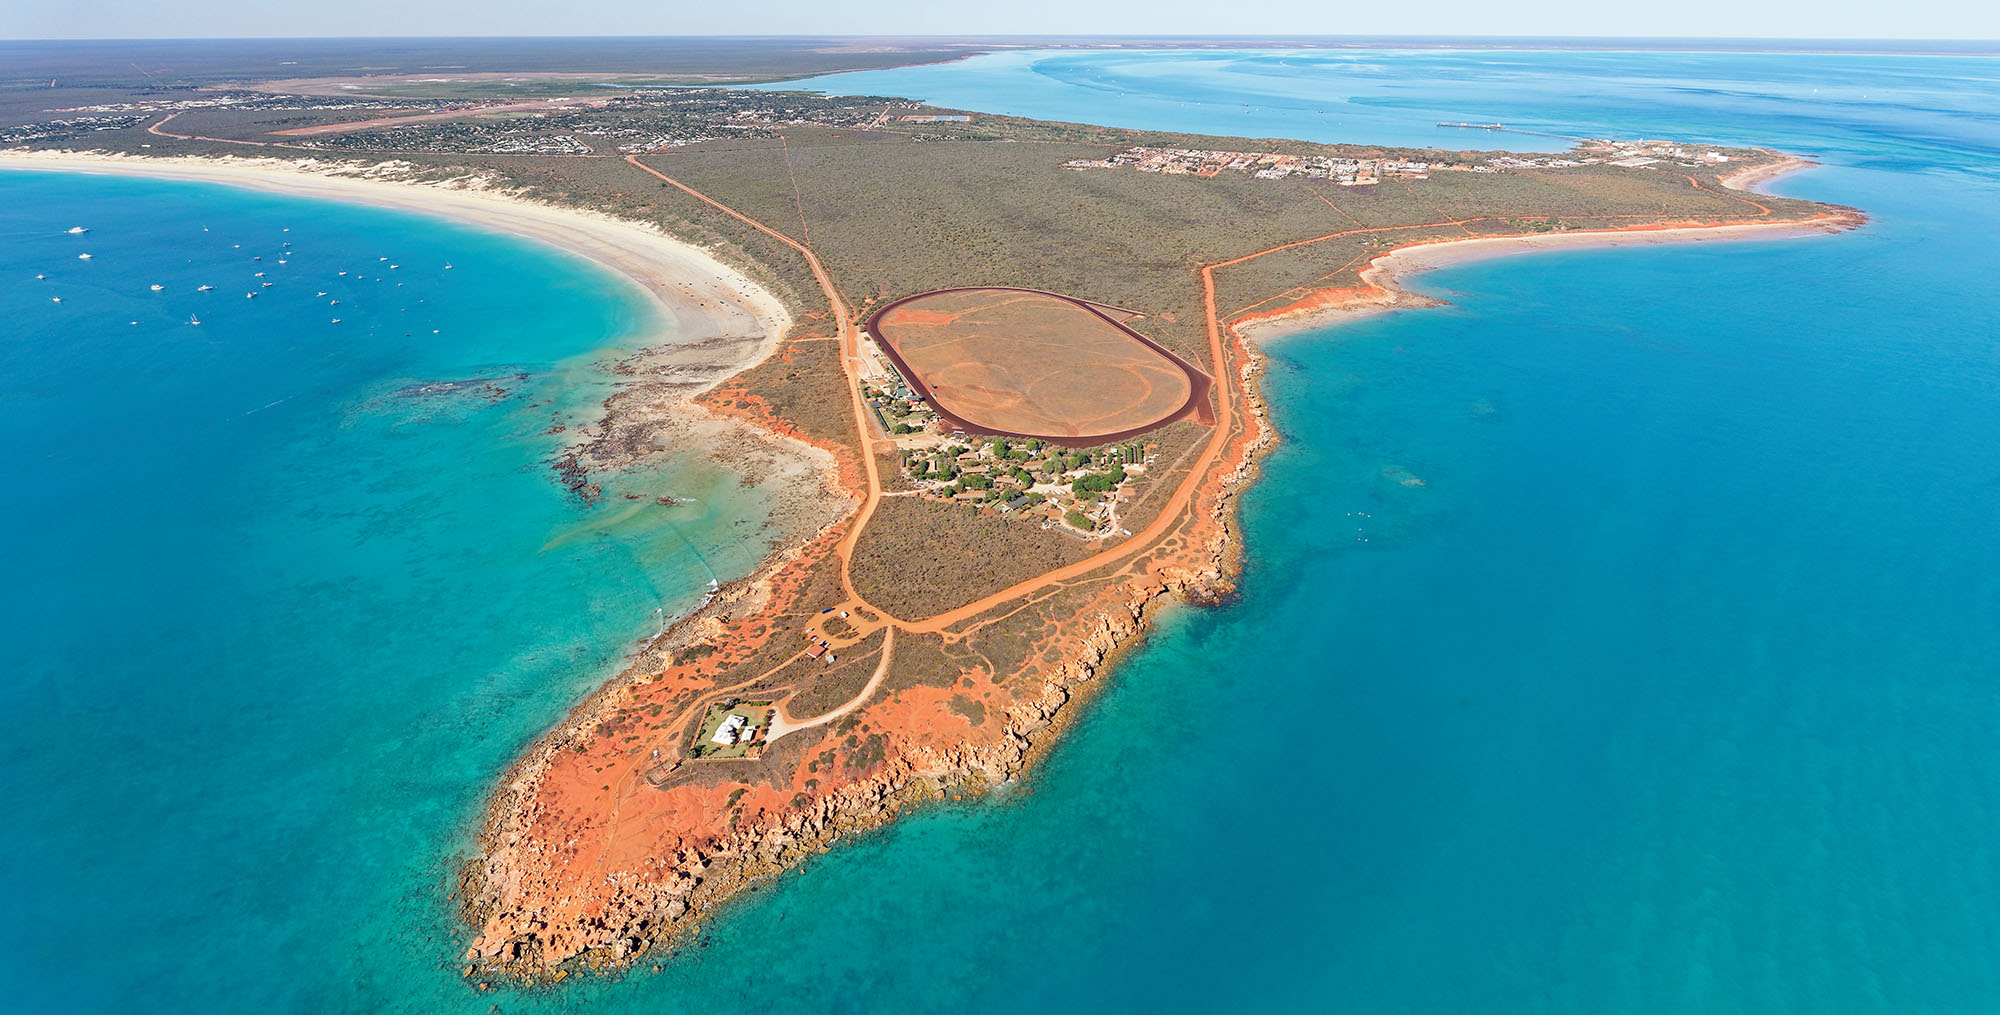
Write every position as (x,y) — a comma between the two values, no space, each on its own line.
(447,266)
(319,294)
(203,288)
(336,320)
(343,273)
(83,257)
(249,296)
(57,299)
(77,230)
(332,303)
(40,277)
(157,287)
(258,275)
(192,319)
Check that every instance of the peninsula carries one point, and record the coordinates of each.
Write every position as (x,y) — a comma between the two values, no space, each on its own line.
(1016,355)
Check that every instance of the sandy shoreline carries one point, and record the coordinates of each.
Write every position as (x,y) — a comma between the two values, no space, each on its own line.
(1384,276)
(703,297)
(715,323)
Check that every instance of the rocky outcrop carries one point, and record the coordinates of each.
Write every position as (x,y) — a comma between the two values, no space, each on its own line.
(508,892)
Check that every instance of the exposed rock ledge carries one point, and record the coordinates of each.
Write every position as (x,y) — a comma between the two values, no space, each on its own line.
(519,940)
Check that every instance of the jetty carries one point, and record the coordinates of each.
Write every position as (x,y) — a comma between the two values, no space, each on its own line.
(1476,126)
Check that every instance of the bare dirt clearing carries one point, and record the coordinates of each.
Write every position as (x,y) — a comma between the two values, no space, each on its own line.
(1023,363)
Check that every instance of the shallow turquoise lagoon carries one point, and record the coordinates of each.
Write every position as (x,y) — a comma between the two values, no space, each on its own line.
(1634,614)
(285,595)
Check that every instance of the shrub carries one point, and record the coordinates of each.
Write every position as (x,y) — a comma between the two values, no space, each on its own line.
(1098,482)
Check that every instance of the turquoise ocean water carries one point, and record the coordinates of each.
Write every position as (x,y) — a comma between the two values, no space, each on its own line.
(285,595)
(1631,621)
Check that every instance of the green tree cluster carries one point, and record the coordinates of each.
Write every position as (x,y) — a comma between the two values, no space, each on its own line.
(1098,482)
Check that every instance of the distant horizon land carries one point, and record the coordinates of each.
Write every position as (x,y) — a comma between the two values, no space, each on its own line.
(44,66)
(1097,41)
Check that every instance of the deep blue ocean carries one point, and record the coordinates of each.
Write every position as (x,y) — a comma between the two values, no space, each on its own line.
(1628,628)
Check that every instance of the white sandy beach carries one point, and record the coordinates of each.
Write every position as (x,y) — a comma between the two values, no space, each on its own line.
(704,298)
(1404,262)
(1388,272)
(719,322)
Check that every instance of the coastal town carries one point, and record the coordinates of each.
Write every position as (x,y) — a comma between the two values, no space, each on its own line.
(1207,163)
(1361,172)
(636,122)
(633,124)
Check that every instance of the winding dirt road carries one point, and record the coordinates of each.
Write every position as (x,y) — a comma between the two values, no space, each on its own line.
(867,618)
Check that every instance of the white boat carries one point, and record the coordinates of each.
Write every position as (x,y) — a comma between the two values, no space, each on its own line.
(77,230)
(157,287)
(56,299)
(393,267)
(332,303)
(192,319)
(343,273)
(266,285)
(249,296)
(39,278)
(336,320)
(447,267)
(258,275)
(203,288)
(319,294)
(83,257)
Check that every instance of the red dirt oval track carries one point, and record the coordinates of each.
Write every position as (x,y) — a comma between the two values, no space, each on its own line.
(1026,363)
